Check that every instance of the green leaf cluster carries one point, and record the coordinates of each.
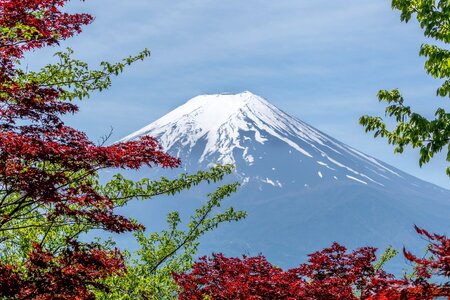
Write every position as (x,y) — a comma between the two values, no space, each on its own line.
(19,32)
(74,78)
(172,250)
(429,135)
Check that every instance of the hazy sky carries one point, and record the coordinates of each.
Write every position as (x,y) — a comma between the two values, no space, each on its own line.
(322,61)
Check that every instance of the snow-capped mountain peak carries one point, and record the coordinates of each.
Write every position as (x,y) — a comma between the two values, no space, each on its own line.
(228,128)
(219,118)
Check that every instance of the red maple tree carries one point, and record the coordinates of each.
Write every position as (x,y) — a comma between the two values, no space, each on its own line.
(44,163)
(232,278)
(330,274)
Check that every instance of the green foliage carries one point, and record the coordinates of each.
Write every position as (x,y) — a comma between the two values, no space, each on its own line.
(388,254)
(75,76)
(162,253)
(21,30)
(430,136)
(121,189)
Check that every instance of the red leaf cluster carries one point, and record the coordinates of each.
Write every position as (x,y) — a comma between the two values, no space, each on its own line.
(66,276)
(329,274)
(432,276)
(335,274)
(233,278)
(41,158)
(44,163)
(50,25)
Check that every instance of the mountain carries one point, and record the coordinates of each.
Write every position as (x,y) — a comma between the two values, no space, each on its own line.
(301,188)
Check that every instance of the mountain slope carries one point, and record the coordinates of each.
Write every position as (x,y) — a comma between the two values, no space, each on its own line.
(302,188)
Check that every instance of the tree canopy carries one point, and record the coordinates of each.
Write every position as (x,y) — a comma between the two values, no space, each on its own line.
(429,135)
(332,273)
(49,187)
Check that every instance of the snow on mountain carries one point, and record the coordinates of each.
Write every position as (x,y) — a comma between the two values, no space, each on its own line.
(219,118)
(301,188)
(226,125)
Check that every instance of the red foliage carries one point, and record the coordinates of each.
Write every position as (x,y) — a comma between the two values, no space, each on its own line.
(234,278)
(329,274)
(43,162)
(50,26)
(334,274)
(65,276)
(432,273)
(45,139)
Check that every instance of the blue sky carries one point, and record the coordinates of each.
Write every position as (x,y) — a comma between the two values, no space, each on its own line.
(322,61)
